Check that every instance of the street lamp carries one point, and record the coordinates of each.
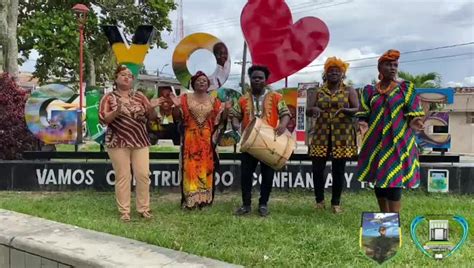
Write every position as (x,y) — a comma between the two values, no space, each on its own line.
(161,71)
(81,14)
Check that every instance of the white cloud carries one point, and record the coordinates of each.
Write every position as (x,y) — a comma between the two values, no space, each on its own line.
(466,82)
(358,29)
(469,81)
(453,84)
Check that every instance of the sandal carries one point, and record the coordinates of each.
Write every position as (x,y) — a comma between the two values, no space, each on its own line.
(125,217)
(320,205)
(146,215)
(336,209)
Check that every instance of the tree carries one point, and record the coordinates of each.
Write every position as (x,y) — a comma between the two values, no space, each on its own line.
(8,33)
(50,28)
(349,83)
(426,80)
(3,29)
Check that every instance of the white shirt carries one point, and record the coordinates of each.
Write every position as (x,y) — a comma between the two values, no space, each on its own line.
(220,75)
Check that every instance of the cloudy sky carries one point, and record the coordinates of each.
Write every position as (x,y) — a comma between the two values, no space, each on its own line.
(359,29)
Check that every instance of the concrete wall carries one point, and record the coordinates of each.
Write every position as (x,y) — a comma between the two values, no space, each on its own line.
(463,102)
(31,242)
(13,258)
(462,132)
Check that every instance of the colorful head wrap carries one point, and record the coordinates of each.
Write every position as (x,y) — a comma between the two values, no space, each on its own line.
(196,76)
(390,55)
(335,62)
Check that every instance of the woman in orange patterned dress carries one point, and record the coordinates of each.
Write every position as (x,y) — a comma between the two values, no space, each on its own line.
(200,114)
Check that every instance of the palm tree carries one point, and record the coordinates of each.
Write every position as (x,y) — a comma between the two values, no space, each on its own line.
(349,83)
(426,80)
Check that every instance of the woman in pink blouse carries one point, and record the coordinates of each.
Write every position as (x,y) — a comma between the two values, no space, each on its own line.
(125,112)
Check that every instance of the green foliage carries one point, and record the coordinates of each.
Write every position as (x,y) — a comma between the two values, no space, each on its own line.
(427,80)
(294,235)
(349,83)
(50,27)
(14,133)
(149,92)
(54,35)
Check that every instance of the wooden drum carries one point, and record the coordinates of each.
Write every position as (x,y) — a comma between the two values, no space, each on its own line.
(261,141)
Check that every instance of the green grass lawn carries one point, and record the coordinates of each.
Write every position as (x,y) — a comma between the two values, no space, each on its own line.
(294,235)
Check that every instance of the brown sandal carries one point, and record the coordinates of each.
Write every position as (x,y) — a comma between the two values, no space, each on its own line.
(336,209)
(320,205)
(125,217)
(147,215)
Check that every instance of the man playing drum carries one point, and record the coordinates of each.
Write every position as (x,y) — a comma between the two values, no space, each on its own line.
(270,107)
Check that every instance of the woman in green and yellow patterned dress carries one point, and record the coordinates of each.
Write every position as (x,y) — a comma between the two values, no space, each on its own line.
(333,135)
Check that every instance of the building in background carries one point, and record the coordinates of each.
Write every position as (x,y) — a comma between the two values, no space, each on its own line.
(27,81)
(461,121)
(154,81)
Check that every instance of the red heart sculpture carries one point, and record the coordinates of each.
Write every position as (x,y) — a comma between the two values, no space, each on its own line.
(274,41)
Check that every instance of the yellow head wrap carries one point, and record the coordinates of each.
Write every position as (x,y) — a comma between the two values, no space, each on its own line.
(335,62)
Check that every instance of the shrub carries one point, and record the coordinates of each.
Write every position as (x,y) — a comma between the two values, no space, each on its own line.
(14,134)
